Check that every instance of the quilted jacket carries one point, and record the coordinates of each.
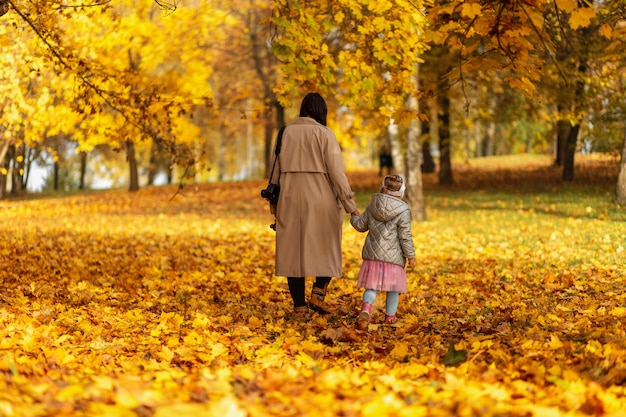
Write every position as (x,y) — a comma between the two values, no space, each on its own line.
(388,220)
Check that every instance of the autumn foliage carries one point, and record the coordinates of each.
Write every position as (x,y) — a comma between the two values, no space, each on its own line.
(158,304)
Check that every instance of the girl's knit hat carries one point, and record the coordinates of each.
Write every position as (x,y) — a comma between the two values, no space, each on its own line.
(394,185)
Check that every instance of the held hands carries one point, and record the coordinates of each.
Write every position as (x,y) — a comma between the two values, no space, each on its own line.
(410,263)
(355,213)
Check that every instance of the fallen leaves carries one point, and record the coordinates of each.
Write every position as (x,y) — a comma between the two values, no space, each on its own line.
(132,304)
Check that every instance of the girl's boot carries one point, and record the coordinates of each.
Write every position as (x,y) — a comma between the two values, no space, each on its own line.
(316,302)
(364,318)
(390,318)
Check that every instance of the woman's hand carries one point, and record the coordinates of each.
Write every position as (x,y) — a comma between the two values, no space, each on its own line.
(355,213)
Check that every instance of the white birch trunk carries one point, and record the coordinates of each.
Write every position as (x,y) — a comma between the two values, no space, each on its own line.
(397,151)
(414,191)
(415,187)
(3,150)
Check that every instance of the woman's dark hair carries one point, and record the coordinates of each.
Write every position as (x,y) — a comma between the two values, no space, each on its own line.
(314,106)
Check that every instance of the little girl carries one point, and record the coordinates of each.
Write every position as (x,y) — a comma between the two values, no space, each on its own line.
(387,246)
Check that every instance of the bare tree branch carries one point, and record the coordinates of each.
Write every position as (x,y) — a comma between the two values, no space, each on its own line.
(165,5)
(545,45)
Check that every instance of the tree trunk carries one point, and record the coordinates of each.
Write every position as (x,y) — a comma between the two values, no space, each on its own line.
(153,164)
(280,115)
(572,138)
(570,151)
(474,134)
(29,158)
(526,136)
(480,135)
(265,69)
(5,162)
(429,132)
(620,190)
(251,166)
(169,173)
(4,150)
(267,148)
(133,180)
(494,131)
(10,167)
(17,183)
(468,142)
(268,95)
(415,187)
(563,128)
(397,150)
(502,148)
(490,146)
(221,162)
(445,164)
(414,184)
(428,162)
(271,132)
(83,170)
(55,179)
(3,186)
(579,92)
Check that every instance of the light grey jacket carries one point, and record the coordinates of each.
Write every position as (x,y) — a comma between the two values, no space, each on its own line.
(388,220)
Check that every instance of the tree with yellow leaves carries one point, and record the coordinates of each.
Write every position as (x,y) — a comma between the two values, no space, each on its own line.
(364,55)
(129,79)
(143,88)
(531,44)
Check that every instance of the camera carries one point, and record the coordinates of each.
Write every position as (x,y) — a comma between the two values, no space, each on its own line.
(271,193)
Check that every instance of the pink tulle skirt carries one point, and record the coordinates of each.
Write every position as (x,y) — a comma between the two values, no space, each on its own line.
(382,276)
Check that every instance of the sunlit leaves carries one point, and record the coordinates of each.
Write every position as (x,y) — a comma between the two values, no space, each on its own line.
(471,10)
(606,31)
(502,35)
(371,51)
(582,17)
(126,71)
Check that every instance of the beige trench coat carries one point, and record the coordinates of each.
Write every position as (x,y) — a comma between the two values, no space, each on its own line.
(313,191)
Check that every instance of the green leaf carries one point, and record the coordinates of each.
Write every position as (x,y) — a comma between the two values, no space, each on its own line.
(13,369)
(454,357)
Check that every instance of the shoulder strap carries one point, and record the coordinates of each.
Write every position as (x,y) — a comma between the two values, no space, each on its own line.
(279,141)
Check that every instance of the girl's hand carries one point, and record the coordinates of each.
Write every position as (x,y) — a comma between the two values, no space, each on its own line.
(411,263)
(355,213)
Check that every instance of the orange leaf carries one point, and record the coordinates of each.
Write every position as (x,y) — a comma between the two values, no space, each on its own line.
(581,17)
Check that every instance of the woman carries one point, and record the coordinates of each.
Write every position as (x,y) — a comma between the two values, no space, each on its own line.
(313,190)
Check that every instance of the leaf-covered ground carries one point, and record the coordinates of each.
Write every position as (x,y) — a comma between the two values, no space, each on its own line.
(140,304)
